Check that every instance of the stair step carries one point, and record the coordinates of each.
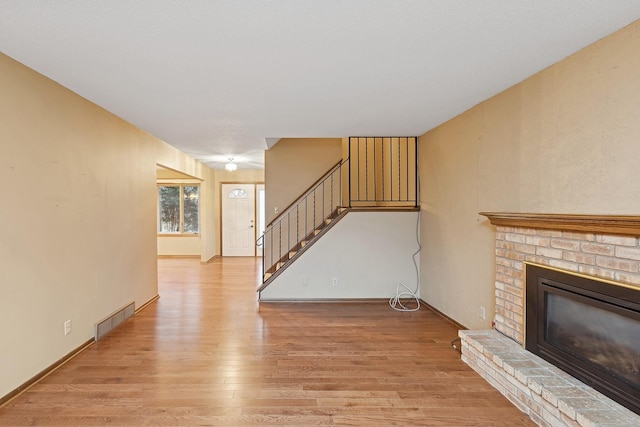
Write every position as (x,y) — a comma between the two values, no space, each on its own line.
(291,254)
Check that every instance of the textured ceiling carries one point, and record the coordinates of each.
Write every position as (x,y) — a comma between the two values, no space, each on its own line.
(223,78)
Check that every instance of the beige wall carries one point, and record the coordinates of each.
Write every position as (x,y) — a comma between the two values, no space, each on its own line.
(294,164)
(179,246)
(78,220)
(566,140)
(163,174)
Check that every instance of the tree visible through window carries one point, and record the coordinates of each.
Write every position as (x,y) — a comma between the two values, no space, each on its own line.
(178,208)
(191,204)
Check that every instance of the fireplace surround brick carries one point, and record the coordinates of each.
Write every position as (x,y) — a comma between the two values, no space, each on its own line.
(609,257)
(611,251)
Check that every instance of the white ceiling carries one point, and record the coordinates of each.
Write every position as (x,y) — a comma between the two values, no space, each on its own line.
(222,78)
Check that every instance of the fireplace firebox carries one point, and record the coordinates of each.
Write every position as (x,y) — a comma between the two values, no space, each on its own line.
(588,328)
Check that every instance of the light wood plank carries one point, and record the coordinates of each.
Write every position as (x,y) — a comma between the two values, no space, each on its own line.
(207,353)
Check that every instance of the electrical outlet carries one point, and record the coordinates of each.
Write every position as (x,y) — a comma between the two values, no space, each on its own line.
(483,313)
(305,280)
(334,282)
(67,327)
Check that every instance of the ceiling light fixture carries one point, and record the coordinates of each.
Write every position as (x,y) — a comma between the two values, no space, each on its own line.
(231,166)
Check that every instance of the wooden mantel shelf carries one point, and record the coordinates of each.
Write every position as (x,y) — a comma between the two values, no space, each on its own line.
(609,224)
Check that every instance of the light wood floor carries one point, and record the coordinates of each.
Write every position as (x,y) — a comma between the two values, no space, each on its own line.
(207,353)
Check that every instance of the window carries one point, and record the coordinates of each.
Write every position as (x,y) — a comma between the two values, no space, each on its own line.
(238,193)
(178,209)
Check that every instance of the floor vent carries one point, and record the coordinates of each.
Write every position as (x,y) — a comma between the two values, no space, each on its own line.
(111,322)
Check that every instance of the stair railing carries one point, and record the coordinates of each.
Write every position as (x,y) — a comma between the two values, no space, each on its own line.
(300,221)
(383,172)
(379,173)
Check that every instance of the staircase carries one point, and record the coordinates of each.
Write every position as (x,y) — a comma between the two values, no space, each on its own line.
(302,223)
(303,245)
(379,173)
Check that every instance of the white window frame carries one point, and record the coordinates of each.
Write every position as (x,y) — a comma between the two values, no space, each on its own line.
(181,184)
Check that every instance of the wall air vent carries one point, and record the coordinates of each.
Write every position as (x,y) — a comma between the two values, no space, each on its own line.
(114,320)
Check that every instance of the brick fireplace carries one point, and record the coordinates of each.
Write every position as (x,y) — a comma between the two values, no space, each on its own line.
(603,247)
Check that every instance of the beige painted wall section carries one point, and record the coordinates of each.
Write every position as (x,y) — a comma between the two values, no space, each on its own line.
(566,140)
(78,221)
(179,246)
(168,174)
(294,164)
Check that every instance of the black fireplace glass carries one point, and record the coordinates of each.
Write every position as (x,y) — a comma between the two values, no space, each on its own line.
(587,327)
(603,338)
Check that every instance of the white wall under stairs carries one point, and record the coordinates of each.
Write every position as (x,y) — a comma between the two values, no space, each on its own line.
(368,253)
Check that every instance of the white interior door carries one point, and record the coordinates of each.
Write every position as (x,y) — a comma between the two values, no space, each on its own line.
(238,220)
